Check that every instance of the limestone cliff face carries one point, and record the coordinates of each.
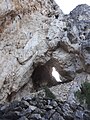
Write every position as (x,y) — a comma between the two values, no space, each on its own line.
(23,29)
(34,31)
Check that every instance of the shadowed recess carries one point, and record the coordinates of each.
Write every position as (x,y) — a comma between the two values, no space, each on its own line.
(48,74)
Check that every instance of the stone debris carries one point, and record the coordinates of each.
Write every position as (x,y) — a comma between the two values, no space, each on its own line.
(44,109)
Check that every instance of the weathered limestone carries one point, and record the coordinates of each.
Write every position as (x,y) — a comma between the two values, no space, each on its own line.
(33,31)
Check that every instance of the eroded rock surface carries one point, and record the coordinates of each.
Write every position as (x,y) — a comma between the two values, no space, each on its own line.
(33,32)
(41,108)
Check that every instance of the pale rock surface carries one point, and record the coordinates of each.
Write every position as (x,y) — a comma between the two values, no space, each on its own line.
(33,31)
(23,29)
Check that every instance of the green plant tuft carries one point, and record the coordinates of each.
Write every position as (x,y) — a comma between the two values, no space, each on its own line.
(48,93)
(83,95)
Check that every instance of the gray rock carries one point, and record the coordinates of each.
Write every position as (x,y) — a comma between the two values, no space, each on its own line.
(87,62)
(37,32)
(23,118)
(11,115)
(56,116)
(79,10)
(26,112)
(59,110)
(32,107)
(33,103)
(49,114)
(48,107)
(86,117)
(73,106)
(54,103)
(36,116)
(43,119)
(22,45)
(79,114)
(67,111)
(25,103)
(27,98)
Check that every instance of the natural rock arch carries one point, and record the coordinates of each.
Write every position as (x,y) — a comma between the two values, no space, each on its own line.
(42,74)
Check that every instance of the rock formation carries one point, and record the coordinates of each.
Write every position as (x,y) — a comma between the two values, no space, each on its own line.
(37,31)
(39,108)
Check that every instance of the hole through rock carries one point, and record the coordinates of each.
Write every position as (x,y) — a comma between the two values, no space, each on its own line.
(46,74)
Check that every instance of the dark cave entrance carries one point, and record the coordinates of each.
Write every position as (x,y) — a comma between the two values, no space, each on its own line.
(46,74)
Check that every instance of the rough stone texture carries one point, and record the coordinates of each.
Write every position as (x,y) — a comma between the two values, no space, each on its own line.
(36,31)
(50,110)
(23,29)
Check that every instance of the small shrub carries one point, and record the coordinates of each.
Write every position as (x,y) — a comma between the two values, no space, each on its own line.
(83,95)
(48,93)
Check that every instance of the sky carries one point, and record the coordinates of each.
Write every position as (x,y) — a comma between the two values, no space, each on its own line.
(68,5)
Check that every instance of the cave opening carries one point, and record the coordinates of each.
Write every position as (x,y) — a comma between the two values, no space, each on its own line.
(46,74)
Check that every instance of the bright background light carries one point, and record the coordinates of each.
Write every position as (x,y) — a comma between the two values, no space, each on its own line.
(56,75)
(68,5)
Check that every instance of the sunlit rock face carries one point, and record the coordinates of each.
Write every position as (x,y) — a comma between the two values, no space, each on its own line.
(23,30)
(36,31)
